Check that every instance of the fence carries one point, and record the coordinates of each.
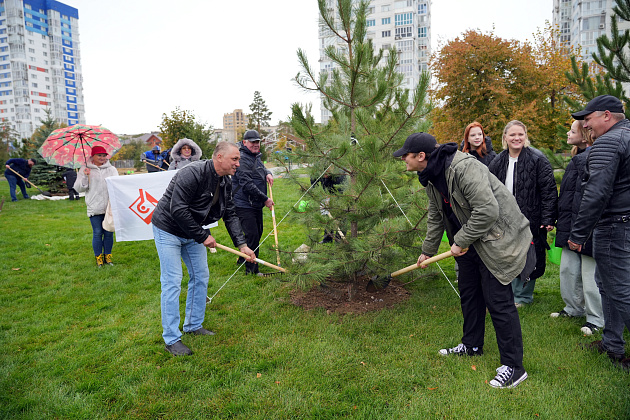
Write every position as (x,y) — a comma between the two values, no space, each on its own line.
(128,163)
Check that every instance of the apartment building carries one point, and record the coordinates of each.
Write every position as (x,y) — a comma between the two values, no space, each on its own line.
(581,22)
(403,24)
(234,125)
(40,64)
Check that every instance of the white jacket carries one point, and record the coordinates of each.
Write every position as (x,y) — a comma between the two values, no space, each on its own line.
(96,196)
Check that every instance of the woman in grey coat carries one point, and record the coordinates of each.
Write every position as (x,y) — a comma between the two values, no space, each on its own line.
(184,152)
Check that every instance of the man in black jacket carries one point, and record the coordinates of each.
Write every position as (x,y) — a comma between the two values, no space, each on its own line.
(22,167)
(199,194)
(605,211)
(250,193)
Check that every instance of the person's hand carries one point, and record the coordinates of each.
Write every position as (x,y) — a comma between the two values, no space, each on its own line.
(457,250)
(86,171)
(574,247)
(270,180)
(269,203)
(8,167)
(548,227)
(252,257)
(210,242)
(421,258)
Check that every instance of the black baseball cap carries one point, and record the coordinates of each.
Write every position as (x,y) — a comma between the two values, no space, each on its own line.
(600,103)
(416,143)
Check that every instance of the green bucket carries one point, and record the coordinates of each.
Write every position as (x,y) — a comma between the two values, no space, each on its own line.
(554,255)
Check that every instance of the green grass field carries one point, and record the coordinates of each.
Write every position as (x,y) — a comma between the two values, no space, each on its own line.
(81,342)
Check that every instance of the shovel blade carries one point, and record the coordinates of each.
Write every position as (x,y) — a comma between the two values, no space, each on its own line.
(377,283)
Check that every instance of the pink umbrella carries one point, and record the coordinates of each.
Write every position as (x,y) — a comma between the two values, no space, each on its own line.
(72,146)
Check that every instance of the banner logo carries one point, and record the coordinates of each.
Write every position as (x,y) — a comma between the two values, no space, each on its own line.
(143,206)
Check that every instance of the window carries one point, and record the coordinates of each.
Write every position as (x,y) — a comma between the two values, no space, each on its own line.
(386,21)
(386,34)
(34,84)
(31,50)
(422,32)
(371,22)
(402,19)
(422,8)
(385,8)
(405,32)
(30,41)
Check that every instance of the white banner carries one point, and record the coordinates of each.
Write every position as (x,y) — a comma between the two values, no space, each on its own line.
(133,199)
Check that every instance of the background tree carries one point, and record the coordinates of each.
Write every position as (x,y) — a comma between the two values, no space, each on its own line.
(484,78)
(131,151)
(372,116)
(8,138)
(43,173)
(183,124)
(260,114)
(612,53)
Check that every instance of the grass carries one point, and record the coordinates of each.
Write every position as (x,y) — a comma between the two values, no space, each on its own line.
(81,342)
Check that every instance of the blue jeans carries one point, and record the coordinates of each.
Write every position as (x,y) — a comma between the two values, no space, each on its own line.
(102,240)
(171,251)
(611,250)
(13,182)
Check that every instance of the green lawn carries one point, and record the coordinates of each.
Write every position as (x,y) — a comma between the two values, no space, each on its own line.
(82,342)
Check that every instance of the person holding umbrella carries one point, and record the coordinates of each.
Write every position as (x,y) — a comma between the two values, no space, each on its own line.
(22,167)
(91,180)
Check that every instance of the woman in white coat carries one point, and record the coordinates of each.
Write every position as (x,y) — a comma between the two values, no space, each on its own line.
(91,180)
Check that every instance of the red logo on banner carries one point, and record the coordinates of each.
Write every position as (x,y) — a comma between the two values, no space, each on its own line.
(143,207)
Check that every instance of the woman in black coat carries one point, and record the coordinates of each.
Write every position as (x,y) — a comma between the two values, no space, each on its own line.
(527,173)
(478,144)
(577,270)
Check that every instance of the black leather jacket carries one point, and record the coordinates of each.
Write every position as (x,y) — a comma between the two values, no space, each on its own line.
(186,205)
(534,186)
(606,186)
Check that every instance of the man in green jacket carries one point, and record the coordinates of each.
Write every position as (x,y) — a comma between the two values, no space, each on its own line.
(490,239)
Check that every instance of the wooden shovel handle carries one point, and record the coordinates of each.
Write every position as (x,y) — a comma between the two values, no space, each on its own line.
(424,263)
(275,227)
(242,254)
(24,179)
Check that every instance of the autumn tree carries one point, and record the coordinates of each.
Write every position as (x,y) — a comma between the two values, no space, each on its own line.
(8,136)
(484,78)
(184,124)
(372,116)
(260,114)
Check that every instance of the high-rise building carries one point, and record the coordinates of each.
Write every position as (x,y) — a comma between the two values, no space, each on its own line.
(581,22)
(403,24)
(40,64)
(234,125)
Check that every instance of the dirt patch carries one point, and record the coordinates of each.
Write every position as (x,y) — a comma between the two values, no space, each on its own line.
(350,298)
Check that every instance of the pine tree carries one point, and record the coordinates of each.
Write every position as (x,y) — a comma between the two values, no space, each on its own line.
(260,114)
(372,116)
(43,173)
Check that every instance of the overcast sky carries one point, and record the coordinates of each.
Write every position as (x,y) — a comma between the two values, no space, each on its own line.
(143,58)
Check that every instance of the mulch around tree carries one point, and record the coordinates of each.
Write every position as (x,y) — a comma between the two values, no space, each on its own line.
(350,298)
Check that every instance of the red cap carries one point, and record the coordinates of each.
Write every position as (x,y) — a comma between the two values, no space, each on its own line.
(97,150)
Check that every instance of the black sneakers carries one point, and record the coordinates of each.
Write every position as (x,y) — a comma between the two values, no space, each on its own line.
(508,377)
(179,349)
(561,314)
(589,329)
(462,350)
(201,331)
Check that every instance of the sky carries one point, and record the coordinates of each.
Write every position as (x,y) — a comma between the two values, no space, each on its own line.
(143,58)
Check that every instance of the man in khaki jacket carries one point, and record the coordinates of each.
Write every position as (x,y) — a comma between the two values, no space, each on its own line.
(480,215)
